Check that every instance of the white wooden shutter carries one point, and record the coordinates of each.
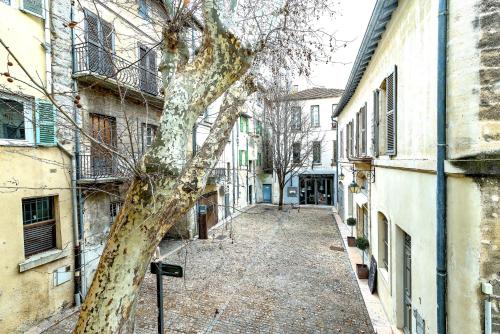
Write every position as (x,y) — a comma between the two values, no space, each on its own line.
(391,84)
(45,123)
(33,7)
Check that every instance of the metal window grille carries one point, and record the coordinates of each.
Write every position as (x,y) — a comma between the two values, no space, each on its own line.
(316,152)
(39,225)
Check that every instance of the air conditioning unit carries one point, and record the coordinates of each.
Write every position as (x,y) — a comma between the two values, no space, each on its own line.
(33,7)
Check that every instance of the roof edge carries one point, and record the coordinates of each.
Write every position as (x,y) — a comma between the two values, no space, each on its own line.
(381,15)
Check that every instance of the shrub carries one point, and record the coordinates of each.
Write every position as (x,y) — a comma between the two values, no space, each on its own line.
(362,243)
(351,221)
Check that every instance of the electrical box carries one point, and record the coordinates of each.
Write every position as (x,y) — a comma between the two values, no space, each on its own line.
(62,275)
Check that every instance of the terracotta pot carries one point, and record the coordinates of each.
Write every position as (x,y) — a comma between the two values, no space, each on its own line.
(362,271)
(351,241)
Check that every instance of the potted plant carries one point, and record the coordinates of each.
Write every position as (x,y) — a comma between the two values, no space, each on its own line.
(362,269)
(351,241)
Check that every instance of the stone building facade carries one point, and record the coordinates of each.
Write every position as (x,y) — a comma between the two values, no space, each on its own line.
(388,123)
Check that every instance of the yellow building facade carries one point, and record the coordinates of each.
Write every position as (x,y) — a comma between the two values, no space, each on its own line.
(387,147)
(36,228)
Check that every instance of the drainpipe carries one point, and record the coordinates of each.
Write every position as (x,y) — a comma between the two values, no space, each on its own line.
(80,288)
(47,45)
(234,169)
(441,242)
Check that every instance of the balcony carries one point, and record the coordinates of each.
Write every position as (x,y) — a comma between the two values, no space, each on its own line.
(100,168)
(94,64)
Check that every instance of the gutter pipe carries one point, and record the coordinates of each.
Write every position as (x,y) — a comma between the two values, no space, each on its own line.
(47,45)
(441,195)
(80,288)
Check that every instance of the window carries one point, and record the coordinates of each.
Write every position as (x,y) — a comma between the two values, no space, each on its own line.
(315,116)
(12,119)
(341,148)
(7,2)
(391,106)
(99,36)
(148,135)
(243,158)
(34,7)
(258,127)
(259,159)
(148,70)
(296,153)
(296,118)
(114,208)
(357,135)
(376,121)
(39,225)
(316,152)
(16,120)
(143,9)
(384,241)
(363,131)
(335,152)
(243,124)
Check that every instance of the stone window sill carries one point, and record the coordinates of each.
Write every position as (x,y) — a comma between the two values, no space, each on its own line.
(42,258)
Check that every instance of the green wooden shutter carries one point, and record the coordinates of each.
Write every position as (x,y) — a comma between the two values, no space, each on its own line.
(45,123)
(33,7)
(391,83)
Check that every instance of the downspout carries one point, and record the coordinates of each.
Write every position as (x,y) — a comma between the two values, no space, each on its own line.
(337,164)
(441,240)
(47,45)
(80,288)
(234,170)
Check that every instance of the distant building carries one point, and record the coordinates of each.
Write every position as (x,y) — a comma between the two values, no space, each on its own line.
(313,183)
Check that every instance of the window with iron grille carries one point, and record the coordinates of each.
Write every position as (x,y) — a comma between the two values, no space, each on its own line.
(315,116)
(39,224)
(316,152)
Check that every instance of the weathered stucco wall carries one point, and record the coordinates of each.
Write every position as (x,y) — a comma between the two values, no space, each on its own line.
(36,172)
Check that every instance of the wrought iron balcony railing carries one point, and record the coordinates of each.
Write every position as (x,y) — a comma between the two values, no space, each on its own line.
(98,167)
(93,59)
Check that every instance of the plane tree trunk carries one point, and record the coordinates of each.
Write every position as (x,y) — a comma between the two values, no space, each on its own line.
(168,186)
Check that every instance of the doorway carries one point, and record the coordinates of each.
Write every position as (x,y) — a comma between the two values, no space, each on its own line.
(250,192)
(267,193)
(407,312)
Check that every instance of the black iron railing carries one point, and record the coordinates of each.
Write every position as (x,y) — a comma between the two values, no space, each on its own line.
(95,59)
(101,167)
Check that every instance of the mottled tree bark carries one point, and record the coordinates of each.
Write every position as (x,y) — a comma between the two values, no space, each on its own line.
(169,186)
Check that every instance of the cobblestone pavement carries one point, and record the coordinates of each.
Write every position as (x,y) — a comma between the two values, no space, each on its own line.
(264,272)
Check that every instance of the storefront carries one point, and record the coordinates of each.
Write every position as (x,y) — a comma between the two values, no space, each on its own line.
(316,189)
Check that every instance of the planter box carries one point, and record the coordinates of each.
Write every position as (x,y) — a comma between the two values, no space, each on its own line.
(362,271)
(351,241)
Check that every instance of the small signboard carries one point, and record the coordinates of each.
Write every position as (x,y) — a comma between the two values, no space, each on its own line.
(166,269)
(372,276)
(202,209)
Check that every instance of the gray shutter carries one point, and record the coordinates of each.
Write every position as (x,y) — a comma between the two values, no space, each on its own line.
(45,123)
(365,130)
(34,7)
(153,72)
(376,122)
(93,44)
(391,84)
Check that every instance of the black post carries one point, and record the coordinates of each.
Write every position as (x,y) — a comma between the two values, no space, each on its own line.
(159,297)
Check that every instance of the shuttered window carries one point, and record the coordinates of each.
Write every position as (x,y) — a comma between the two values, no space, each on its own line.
(243,157)
(358,134)
(376,122)
(243,124)
(99,35)
(39,225)
(45,118)
(342,144)
(34,7)
(391,84)
(148,70)
(363,138)
(316,152)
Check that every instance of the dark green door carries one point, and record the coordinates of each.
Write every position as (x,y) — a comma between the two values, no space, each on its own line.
(407,286)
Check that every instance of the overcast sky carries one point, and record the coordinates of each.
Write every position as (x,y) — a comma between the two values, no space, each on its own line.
(349,24)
